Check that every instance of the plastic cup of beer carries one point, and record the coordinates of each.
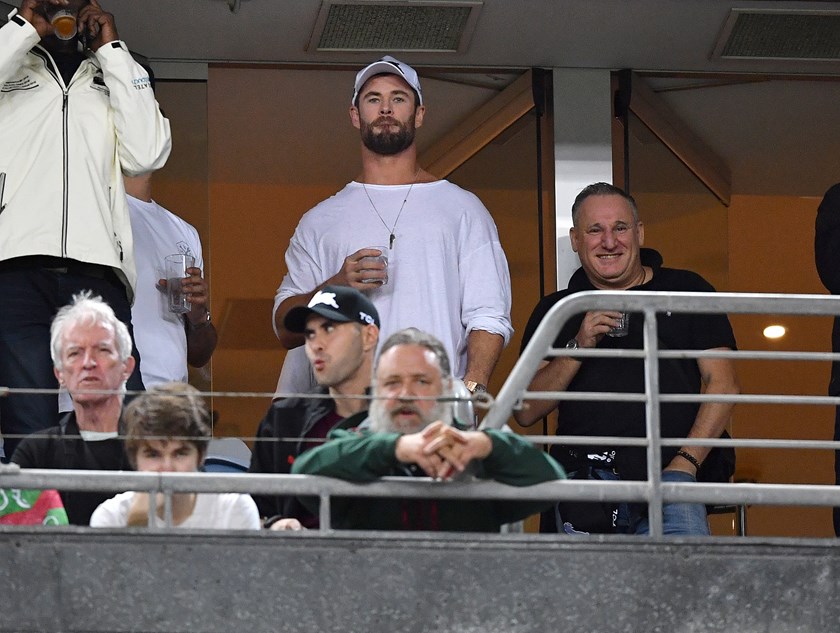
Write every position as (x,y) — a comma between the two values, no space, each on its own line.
(382,258)
(64,23)
(176,271)
(621,329)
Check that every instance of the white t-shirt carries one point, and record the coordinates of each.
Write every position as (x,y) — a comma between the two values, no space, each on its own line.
(158,333)
(228,511)
(447,272)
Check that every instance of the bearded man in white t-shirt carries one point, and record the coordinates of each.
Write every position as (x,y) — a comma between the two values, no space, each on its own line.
(446,271)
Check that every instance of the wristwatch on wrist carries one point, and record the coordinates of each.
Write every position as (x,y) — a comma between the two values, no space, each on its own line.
(475,387)
(272,520)
(573,344)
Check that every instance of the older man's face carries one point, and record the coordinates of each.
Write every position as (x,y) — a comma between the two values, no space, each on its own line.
(404,373)
(608,241)
(90,360)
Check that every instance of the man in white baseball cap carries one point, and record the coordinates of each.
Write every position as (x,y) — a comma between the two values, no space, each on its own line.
(387,66)
(446,272)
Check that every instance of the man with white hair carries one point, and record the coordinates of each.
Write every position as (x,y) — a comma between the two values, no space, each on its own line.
(91,352)
(412,433)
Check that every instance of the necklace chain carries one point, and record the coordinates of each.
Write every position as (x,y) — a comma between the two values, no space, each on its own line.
(392,236)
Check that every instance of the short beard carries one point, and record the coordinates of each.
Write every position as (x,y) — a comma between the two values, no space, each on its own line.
(388,143)
(382,421)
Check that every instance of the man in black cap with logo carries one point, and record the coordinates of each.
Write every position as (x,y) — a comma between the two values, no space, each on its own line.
(341,331)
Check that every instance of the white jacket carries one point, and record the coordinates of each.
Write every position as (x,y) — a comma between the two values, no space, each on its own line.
(63,150)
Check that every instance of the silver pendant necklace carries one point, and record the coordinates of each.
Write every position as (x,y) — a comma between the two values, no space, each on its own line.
(392,236)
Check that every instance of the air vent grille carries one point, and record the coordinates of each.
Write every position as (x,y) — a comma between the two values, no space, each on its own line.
(795,35)
(381,26)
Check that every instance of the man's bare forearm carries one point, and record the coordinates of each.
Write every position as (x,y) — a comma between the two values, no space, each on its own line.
(290,340)
(712,417)
(483,351)
(554,375)
(201,343)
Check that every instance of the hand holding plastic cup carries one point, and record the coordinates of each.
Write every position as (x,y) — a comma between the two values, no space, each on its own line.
(622,328)
(63,21)
(381,258)
(176,271)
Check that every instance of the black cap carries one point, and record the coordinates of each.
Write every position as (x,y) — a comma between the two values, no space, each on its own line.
(341,304)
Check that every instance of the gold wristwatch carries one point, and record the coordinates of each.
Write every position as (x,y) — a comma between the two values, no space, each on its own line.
(475,387)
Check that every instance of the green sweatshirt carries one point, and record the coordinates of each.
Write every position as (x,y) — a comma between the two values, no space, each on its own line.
(367,456)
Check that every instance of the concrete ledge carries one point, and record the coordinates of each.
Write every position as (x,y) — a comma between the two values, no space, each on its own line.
(76,579)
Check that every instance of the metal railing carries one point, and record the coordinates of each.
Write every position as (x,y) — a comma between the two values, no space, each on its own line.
(652,491)
(541,346)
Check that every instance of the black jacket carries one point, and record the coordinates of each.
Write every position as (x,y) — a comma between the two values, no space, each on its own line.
(281,438)
(62,447)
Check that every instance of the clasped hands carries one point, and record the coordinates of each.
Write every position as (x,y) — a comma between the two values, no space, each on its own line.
(443,451)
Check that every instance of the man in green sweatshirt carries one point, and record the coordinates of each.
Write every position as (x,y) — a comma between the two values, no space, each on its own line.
(411,433)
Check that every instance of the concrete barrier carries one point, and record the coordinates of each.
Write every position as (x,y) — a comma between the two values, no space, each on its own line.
(74,579)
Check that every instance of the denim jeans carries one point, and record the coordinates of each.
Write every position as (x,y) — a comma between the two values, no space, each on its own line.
(30,299)
(678,519)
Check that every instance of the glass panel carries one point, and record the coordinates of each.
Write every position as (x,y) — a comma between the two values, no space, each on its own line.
(504,175)
(270,162)
(181,186)
(683,220)
(692,230)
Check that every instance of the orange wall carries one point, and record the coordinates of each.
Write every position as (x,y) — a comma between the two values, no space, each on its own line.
(760,244)
(252,225)
(772,242)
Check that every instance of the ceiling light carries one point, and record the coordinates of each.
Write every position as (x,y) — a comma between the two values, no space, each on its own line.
(775,331)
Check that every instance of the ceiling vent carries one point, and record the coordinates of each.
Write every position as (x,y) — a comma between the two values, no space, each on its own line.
(794,35)
(374,25)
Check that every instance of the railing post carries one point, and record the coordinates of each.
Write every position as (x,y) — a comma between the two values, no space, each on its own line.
(324,518)
(150,515)
(167,507)
(654,453)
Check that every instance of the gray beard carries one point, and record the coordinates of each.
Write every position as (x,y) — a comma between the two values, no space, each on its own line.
(381,420)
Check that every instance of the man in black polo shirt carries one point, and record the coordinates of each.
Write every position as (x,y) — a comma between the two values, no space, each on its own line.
(341,330)
(607,235)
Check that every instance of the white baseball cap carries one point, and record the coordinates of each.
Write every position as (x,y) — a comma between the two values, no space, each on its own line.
(387,66)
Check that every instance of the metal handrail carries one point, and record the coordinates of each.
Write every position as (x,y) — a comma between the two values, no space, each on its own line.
(515,389)
(409,488)
(541,344)
(652,491)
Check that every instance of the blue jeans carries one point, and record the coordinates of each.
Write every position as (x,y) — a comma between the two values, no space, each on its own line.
(30,298)
(678,519)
